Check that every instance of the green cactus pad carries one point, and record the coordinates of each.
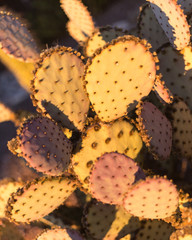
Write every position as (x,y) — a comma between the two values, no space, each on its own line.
(149,27)
(118,136)
(173,21)
(111,177)
(181,119)
(15,39)
(7,187)
(79,15)
(103,221)
(100,37)
(186,5)
(75,32)
(44,146)
(58,89)
(60,234)
(155,129)
(156,229)
(38,198)
(117,76)
(152,198)
(176,68)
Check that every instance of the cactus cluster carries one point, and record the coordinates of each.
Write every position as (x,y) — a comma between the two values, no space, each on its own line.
(111,141)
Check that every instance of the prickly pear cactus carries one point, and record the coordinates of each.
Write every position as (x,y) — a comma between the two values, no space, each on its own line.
(75,32)
(111,177)
(173,21)
(153,198)
(58,88)
(114,86)
(44,146)
(38,198)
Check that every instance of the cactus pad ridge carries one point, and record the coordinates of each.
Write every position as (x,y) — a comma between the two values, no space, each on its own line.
(150,29)
(120,136)
(155,129)
(7,187)
(112,175)
(181,119)
(16,40)
(179,80)
(173,21)
(79,15)
(44,146)
(186,5)
(154,198)
(75,32)
(100,37)
(155,229)
(38,198)
(58,89)
(104,221)
(59,234)
(123,80)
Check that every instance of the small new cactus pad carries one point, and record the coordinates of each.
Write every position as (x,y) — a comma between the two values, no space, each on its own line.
(79,15)
(58,88)
(44,146)
(111,177)
(119,75)
(155,229)
(75,32)
(15,40)
(155,129)
(162,91)
(60,234)
(6,114)
(7,187)
(100,37)
(182,234)
(173,21)
(186,5)
(181,119)
(118,136)
(176,70)
(103,221)
(38,198)
(152,198)
(150,29)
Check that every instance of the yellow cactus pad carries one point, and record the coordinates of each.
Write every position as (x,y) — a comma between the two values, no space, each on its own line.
(6,114)
(119,75)
(119,136)
(173,21)
(58,88)
(79,15)
(75,32)
(38,198)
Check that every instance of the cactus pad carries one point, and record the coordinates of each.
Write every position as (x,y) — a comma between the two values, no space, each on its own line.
(103,221)
(173,21)
(111,79)
(100,37)
(44,146)
(111,177)
(59,234)
(79,15)
(156,130)
(150,29)
(6,114)
(153,198)
(7,187)
(38,198)
(156,229)
(179,80)
(15,39)
(58,89)
(75,32)
(118,136)
(181,119)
